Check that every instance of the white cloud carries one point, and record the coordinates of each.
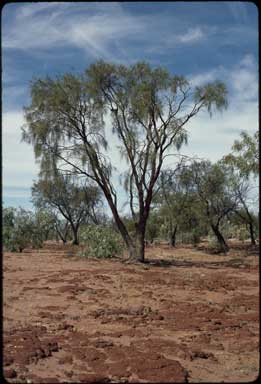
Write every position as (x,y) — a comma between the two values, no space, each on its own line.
(213,138)
(241,79)
(100,30)
(203,78)
(19,167)
(244,78)
(191,36)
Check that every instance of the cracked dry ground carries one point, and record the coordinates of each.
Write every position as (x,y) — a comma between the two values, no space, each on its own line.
(187,316)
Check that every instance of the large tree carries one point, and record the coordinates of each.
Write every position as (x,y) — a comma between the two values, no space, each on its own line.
(149,109)
(242,189)
(75,202)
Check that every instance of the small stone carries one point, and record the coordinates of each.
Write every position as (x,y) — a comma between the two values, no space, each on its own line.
(8,361)
(103,344)
(10,373)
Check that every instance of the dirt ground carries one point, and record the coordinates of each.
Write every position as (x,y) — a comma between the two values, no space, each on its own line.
(185,316)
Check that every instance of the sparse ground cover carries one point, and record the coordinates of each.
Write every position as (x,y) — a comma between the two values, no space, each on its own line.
(186,315)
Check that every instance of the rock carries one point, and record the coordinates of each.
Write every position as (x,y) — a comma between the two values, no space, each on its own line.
(202,355)
(8,361)
(92,379)
(68,359)
(10,373)
(65,326)
(53,346)
(103,344)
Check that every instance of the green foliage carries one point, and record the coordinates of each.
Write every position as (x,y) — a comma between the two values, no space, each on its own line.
(101,242)
(45,224)
(211,184)
(153,226)
(179,207)
(212,95)
(191,236)
(20,230)
(8,227)
(64,196)
(245,155)
(196,234)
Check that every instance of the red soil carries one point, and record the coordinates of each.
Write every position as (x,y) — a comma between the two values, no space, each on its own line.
(185,316)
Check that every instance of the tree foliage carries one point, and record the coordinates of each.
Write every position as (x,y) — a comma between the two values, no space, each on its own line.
(245,155)
(215,195)
(63,194)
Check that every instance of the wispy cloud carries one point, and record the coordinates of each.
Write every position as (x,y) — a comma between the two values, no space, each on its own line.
(245,79)
(96,29)
(64,25)
(191,36)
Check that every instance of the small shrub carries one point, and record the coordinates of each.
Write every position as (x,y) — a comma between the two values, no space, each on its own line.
(242,233)
(196,233)
(101,242)
(192,237)
(20,230)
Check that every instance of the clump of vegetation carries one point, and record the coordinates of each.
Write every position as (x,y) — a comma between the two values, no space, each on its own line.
(100,241)
(20,230)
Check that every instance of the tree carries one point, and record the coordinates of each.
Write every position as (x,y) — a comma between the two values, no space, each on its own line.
(62,227)
(242,189)
(245,155)
(63,194)
(149,109)
(173,199)
(179,205)
(45,223)
(243,163)
(216,199)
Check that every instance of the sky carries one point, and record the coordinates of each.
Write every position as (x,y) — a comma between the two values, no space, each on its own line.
(201,41)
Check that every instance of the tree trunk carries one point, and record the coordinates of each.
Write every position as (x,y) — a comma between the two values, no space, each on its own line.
(223,245)
(62,237)
(136,249)
(132,249)
(252,236)
(75,234)
(173,237)
(140,246)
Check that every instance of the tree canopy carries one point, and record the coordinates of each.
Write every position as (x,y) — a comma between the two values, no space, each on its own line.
(245,154)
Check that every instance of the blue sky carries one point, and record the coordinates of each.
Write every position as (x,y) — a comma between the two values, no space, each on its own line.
(203,41)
